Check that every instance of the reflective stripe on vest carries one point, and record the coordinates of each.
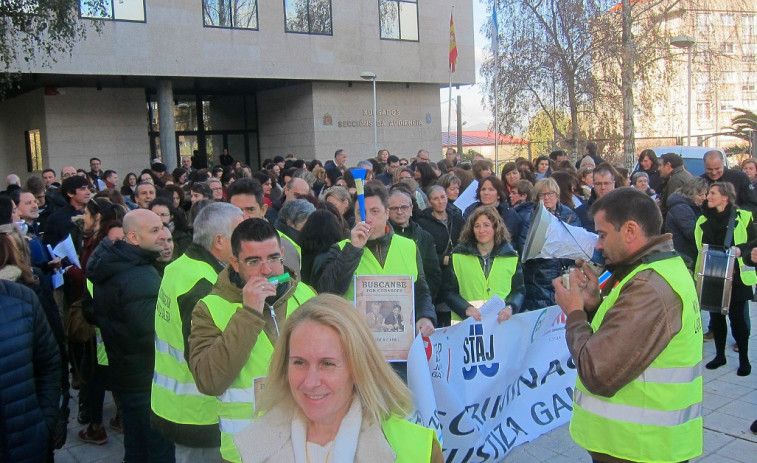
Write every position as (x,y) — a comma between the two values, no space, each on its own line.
(474,286)
(178,388)
(102,355)
(174,394)
(411,442)
(400,260)
(658,416)
(747,274)
(236,406)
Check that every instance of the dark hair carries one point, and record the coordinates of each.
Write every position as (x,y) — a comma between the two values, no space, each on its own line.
(480,166)
(71,184)
(726,189)
(202,188)
(176,189)
(177,173)
(555,154)
(6,209)
(652,156)
(49,170)
(338,152)
(428,176)
(262,177)
(673,159)
(108,173)
(378,189)
(246,186)
(525,187)
(568,184)
(112,195)
(538,160)
(606,169)
(625,204)
(35,185)
(126,179)
(496,183)
(149,172)
(321,230)
(592,148)
(107,210)
(392,158)
(507,168)
(252,230)
(313,164)
(94,159)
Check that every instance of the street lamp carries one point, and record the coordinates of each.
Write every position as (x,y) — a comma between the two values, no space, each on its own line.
(688,42)
(368,75)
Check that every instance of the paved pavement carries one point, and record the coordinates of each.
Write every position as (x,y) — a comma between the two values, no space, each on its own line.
(730,406)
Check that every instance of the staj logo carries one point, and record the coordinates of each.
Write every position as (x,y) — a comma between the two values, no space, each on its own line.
(479,354)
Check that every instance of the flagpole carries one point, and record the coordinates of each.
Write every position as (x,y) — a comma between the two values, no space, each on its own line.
(495,50)
(449,99)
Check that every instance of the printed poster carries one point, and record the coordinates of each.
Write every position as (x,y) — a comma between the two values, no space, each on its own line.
(388,305)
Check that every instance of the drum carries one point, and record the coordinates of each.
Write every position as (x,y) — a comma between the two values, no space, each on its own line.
(715,278)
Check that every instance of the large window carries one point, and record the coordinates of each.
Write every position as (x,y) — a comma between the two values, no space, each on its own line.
(119,10)
(308,16)
(398,19)
(240,14)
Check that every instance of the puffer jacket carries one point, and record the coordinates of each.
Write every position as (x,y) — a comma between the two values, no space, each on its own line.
(126,289)
(452,282)
(681,222)
(445,236)
(30,372)
(539,273)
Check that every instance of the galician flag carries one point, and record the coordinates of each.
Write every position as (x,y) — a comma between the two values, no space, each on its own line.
(452,44)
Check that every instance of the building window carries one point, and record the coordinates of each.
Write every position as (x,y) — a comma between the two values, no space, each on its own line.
(118,10)
(33,150)
(749,83)
(704,23)
(749,25)
(728,48)
(237,14)
(704,111)
(398,19)
(727,105)
(727,20)
(308,16)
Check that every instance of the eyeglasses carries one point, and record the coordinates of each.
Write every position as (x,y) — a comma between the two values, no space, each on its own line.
(217,188)
(164,214)
(546,194)
(255,264)
(403,163)
(596,184)
(396,209)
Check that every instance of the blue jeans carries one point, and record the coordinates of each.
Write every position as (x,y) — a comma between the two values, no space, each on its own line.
(141,443)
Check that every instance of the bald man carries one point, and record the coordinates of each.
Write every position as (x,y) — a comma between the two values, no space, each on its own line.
(125,294)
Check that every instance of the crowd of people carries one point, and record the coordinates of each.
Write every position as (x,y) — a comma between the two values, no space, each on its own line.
(182,282)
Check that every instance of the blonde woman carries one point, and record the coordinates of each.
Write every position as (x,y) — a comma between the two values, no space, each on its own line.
(331,397)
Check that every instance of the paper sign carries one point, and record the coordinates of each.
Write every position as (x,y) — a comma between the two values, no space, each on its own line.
(387,302)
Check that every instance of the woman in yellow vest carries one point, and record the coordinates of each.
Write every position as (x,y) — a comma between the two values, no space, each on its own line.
(483,264)
(720,214)
(330,396)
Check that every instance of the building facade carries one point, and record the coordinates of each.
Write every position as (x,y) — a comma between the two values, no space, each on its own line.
(261,78)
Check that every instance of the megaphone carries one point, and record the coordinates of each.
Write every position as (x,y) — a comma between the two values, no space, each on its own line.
(551,238)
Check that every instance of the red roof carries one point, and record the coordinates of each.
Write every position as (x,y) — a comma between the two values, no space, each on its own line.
(481,138)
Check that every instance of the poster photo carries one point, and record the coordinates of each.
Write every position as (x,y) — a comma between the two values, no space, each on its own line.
(388,306)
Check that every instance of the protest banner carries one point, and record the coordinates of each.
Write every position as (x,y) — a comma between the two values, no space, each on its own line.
(487,387)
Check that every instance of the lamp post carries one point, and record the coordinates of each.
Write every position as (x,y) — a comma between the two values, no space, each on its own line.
(688,42)
(368,75)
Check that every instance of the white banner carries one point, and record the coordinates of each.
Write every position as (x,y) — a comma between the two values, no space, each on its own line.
(487,387)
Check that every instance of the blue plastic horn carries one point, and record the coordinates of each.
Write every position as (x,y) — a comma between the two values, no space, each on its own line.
(359,175)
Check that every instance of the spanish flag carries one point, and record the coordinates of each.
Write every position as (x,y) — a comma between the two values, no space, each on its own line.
(452,45)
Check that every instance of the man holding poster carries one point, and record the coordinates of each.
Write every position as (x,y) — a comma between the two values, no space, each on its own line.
(637,342)
(374,249)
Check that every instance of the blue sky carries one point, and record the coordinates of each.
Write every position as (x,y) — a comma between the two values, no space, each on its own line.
(475,116)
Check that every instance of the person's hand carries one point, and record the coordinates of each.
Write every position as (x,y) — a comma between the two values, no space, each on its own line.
(753,255)
(255,291)
(424,327)
(589,281)
(55,263)
(738,253)
(505,314)
(473,312)
(359,234)
(446,261)
(571,299)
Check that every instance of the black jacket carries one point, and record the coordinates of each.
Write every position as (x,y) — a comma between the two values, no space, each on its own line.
(445,236)
(339,268)
(126,289)
(425,244)
(59,225)
(452,282)
(29,377)
(681,222)
(746,195)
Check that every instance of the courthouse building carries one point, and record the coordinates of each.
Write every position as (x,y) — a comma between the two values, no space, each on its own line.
(259,77)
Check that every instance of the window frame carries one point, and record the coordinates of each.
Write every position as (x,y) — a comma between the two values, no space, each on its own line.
(417,20)
(257,19)
(309,31)
(112,12)
(34,154)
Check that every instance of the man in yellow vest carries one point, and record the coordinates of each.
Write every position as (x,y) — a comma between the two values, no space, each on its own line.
(180,412)
(637,342)
(374,249)
(235,326)
(247,194)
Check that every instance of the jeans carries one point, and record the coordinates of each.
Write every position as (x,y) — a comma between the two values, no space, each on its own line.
(141,443)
